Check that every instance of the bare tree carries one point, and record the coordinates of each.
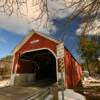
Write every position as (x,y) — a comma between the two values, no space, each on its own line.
(88,10)
(10,7)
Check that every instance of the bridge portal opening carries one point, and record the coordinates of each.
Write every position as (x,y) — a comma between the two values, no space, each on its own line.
(41,63)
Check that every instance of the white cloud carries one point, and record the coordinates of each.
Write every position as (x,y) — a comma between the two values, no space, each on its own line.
(22,24)
(93,29)
(2,40)
(58,9)
(14,24)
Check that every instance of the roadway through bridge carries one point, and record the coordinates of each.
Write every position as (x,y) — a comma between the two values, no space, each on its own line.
(23,92)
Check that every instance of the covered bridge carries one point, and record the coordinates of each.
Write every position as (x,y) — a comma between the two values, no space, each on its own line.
(35,59)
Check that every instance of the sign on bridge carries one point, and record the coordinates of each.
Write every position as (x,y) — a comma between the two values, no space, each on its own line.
(60,50)
(60,56)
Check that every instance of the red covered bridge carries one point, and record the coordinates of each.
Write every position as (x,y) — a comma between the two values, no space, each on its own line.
(34,59)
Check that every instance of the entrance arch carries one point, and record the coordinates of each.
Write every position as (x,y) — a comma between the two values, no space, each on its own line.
(42,63)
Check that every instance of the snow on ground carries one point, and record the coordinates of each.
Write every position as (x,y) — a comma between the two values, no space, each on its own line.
(91,81)
(4,83)
(70,94)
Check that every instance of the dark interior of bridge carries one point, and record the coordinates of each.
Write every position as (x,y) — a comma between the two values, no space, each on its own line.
(41,62)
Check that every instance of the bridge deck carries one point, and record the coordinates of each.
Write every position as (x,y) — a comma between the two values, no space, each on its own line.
(18,93)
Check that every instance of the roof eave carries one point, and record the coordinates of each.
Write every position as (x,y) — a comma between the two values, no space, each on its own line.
(28,36)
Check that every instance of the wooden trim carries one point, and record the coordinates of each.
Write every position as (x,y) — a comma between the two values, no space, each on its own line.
(49,51)
(28,37)
(49,38)
(22,42)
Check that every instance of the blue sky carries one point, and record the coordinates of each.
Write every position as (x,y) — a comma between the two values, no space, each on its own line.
(70,39)
(14,28)
(8,40)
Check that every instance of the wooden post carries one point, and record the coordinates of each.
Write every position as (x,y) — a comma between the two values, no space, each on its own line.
(60,56)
